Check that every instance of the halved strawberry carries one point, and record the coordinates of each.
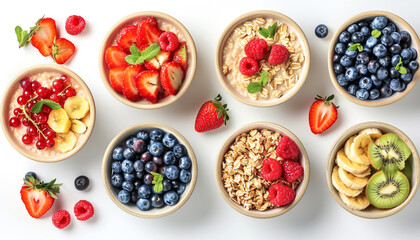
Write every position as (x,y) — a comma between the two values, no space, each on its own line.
(152,64)
(148,85)
(163,57)
(147,33)
(129,84)
(171,77)
(150,20)
(62,50)
(44,35)
(115,57)
(180,55)
(322,114)
(127,37)
(116,78)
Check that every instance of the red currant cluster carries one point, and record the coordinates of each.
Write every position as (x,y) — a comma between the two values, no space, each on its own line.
(37,128)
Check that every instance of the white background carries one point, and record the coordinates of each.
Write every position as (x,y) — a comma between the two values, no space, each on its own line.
(206,215)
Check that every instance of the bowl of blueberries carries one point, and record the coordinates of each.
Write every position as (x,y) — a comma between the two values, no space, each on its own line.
(149,170)
(372,58)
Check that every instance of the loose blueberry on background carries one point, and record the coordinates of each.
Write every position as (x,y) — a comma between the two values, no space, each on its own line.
(123,196)
(321,31)
(143,204)
(81,183)
(171,198)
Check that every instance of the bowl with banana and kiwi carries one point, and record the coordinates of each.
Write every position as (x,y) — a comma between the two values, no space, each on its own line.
(48,113)
(373,170)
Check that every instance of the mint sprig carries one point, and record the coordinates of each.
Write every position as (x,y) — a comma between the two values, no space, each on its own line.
(37,108)
(269,32)
(356,46)
(23,36)
(376,33)
(157,181)
(138,57)
(255,87)
(400,68)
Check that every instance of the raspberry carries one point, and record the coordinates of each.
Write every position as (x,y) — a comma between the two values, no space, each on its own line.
(83,210)
(271,169)
(292,170)
(287,149)
(280,194)
(61,219)
(75,24)
(278,55)
(168,41)
(248,66)
(256,48)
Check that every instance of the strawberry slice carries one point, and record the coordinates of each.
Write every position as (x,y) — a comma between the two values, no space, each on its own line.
(163,57)
(180,55)
(129,84)
(62,50)
(147,33)
(127,37)
(171,77)
(152,64)
(116,78)
(115,57)
(44,35)
(157,61)
(150,20)
(148,86)
(322,114)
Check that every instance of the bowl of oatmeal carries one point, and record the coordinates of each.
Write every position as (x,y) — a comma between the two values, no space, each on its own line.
(274,51)
(48,113)
(165,74)
(242,164)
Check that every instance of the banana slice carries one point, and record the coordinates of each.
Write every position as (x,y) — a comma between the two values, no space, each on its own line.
(349,166)
(65,142)
(341,187)
(348,145)
(359,149)
(78,126)
(350,180)
(356,203)
(76,107)
(373,133)
(59,121)
(363,174)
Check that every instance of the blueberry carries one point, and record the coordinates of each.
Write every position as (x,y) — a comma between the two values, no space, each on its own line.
(362,69)
(353,28)
(158,161)
(139,146)
(148,179)
(137,184)
(134,197)
(143,135)
(363,24)
(395,60)
(81,183)
(145,157)
(143,204)
(405,37)
(362,94)
(375,80)
(128,186)
(129,177)
(385,61)
(391,27)
(351,74)
(365,83)
(413,52)
(157,201)
(346,61)
(170,198)
(338,68)
(185,162)
(379,22)
(185,176)
(340,48)
(371,42)
(181,188)
(395,49)
(172,172)
(123,196)
(156,134)
(386,91)
(387,30)
(373,66)
(179,150)
(406,54)
(156,149)
(117,154)
(31,174)
(175,184)
(382,73)
(393,73)
(342,81)
(169,140)
(413,65)
(321,31)
(129,143)
(128,153)
(116,180)
(116,167)
(352,89)
(396,37)
(344,37)
(386,40)
(127,166)
(406,77)
(153,190)
(405,62)
(139,175)
(162,170)
(351,54)
(374,94)
(357,37)
(166,185)
(362,58)
(150,167)
(144,191)
(397,86)
(365,31)
(386,81)
(379,50)
(169,158)
(336,58)
(138,166)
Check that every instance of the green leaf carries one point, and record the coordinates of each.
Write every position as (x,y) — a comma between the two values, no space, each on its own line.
(376,33)
(18,31)
(138,57)
(356,46)
(272,30)
(135,50)
(150,51)
(360,48)
(158,187)
(331,97)
(397,67)
(254,87)
(264,32)
(157,177)
(37,108)
(264,78)
(22,36)
(402,70)
(131,59)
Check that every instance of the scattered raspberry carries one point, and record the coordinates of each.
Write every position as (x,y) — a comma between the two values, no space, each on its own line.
(287,149)
(75,24)
(83,210)
(168,41)
(278,54)
(256,48)
(292,170)
(61,219)
(280,194)
(248,66)
(271,169)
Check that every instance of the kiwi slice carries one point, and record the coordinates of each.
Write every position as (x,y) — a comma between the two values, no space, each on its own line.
(387,190)
(389,154)
(408,171)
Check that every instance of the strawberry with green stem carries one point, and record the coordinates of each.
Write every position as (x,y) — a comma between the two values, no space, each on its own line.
(212,115)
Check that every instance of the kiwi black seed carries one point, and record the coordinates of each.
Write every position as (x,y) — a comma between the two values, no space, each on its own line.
(387,190)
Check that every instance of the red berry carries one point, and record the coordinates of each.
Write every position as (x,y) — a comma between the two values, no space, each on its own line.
(83,210)
(43,126)
(57,85)
(70,92)
(41,118)
(248,66)
(66,79)
(61,219)
(32,131)
(40,144)
(46,109)
(17,112)
(35,85)
(168,41)
(26,122)
(54,97)
(280,194)
(75,24)
(49,133)
(14,122)
(256,48)
(27,93)
(278,54)
(30,104)
(271,169)
(50,143)
(42,92)
(27,139)
(21,100)
(292,170)
(287,149)
(26,84)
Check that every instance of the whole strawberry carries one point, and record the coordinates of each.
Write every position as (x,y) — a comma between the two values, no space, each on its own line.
(211,116)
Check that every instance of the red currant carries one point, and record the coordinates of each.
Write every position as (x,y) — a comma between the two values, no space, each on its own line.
(30,104)
(41,118)
(26,84)
(35,85)
(14,122)
(49,133)
(48,94)
(42,92)
(27,93)
(43,126)
(46,109)
(54,97)
(40,144)
(22,99)
(57,85)
(26,122)
(70,92)
(50,143)
(32,131)
(66,79)
(17,112)
(63,98)
(27,139)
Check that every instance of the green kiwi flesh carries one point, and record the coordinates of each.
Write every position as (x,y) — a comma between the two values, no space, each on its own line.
(387,190)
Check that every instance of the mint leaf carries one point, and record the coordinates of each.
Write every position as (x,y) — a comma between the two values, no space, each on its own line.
(360,48)
(264,32)
(376,33)
(397,67)
(254,87)
(356,46)
(131,59)
(138,57)
(158,187)
(37,108)
(157,181)
(402,70)
(22,36)
(150,51)
(264,78)
(135,50)
(272,30)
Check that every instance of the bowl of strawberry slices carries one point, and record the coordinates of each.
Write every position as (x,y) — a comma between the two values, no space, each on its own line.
(148,60)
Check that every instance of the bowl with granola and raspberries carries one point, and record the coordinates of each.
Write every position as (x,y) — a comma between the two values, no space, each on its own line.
(262,170)
(262,58)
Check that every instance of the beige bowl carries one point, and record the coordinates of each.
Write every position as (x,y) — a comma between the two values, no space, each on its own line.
(402,25)
(303,158)
(119,140)
(191,58)
(7,112)
(280,18)
(371,211)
